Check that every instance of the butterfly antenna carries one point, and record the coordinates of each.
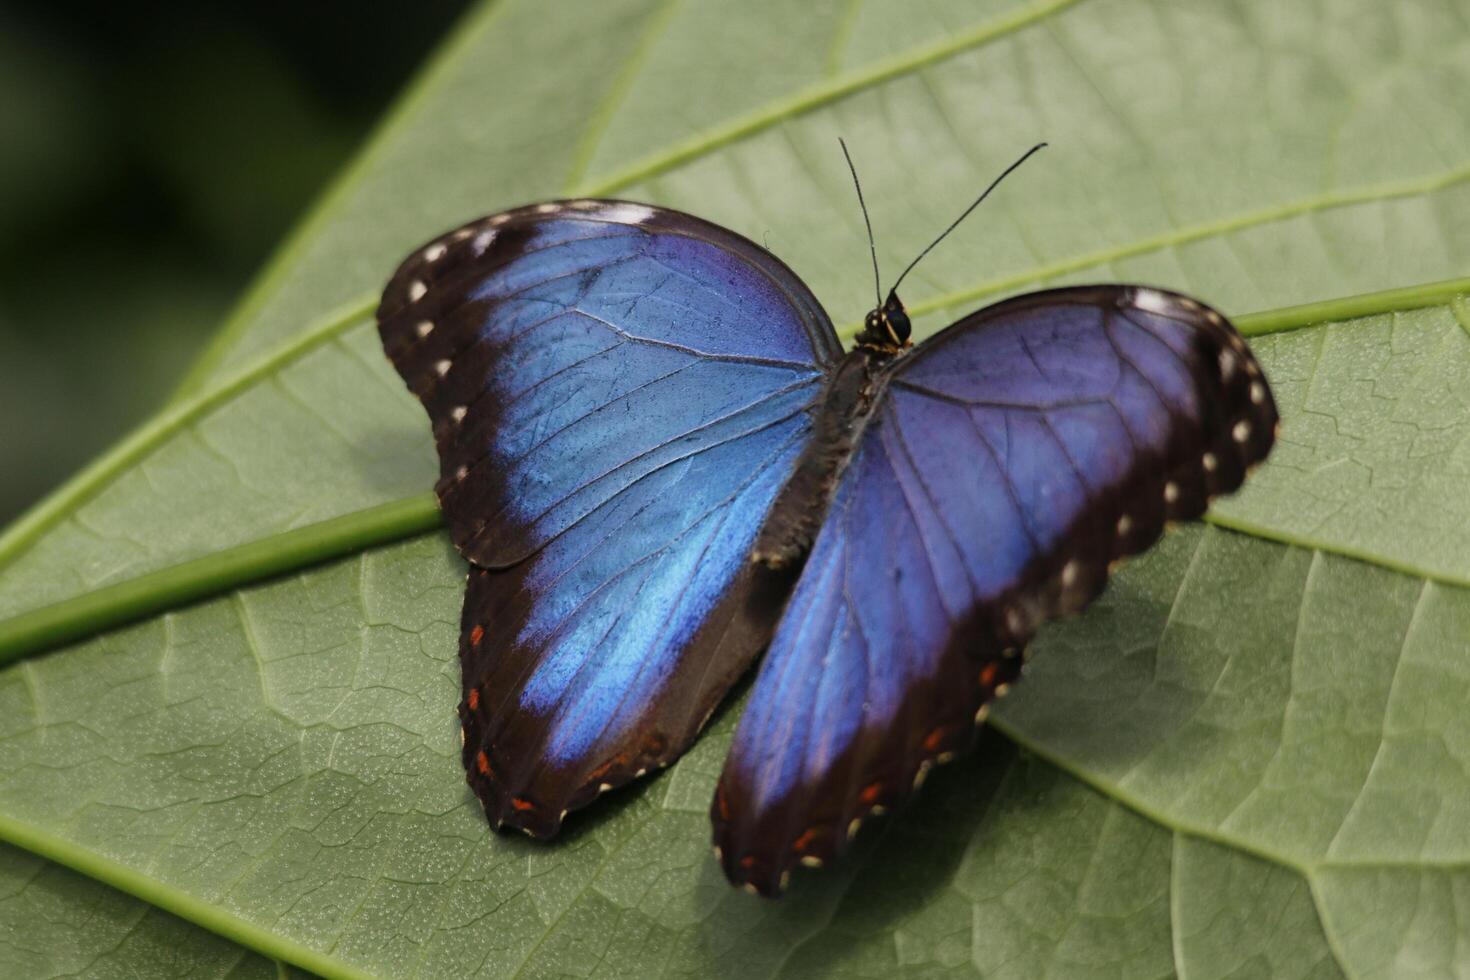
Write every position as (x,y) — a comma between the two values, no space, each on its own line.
(986,193)
(872,246)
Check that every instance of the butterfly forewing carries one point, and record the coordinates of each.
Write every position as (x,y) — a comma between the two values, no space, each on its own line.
(1008,462)
(618,393)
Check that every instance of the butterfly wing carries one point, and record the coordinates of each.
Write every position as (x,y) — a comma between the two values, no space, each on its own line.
(1010,460)
(617,392)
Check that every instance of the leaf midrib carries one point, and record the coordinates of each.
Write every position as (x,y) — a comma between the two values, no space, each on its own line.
(170,898)
(283,552)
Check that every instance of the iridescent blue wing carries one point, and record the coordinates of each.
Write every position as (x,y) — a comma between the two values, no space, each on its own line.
(617,392)
(1009,461)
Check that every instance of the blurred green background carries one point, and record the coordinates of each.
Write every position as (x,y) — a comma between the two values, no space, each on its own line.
(151,156)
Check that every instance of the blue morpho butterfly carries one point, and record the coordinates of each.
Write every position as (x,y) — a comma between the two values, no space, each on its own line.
(659,462)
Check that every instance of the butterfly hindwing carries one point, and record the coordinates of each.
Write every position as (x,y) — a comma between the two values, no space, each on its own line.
(617,392)
(1007,463)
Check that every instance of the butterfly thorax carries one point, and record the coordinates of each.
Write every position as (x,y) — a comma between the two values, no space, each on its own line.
(839,418)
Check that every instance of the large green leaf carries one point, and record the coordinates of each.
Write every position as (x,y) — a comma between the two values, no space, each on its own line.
(1244,745)
(1254,155)
(1248,759)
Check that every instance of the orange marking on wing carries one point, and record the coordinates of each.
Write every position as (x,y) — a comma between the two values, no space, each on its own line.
(934,740)
(988,672)
(870,793)
(474,699)
(476,635)
(482,762)
(522,804)
(807,838)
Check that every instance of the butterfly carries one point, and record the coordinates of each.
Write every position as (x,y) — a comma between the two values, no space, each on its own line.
(659,462)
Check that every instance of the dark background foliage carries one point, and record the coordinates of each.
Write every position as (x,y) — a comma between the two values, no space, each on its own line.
(153,154)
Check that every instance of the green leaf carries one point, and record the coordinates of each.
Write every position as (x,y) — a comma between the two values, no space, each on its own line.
(58,923)
(1375,456)
(1272,161)
(1247,759)
(1234,750)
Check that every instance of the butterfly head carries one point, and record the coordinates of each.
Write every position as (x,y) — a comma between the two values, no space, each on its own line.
(887,326)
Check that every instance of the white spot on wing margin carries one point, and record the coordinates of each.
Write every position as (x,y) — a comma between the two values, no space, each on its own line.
(624,213)
(1153,301)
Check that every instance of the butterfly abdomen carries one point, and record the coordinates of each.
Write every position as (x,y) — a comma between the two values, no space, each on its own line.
(841,413)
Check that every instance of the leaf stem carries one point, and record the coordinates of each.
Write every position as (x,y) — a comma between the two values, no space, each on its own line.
(1353,307)
(208,915)
(188,581)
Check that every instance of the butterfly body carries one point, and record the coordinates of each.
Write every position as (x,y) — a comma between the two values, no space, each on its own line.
(660,463)
(844,408)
